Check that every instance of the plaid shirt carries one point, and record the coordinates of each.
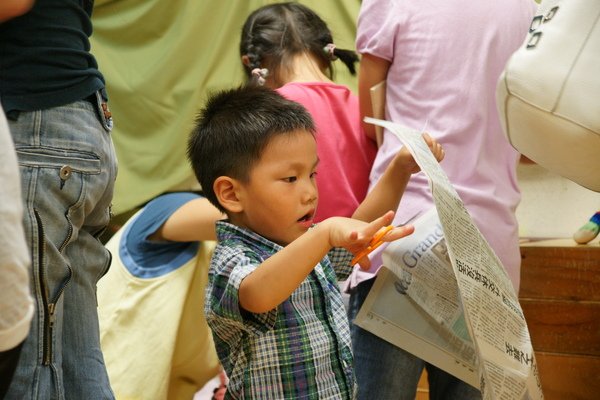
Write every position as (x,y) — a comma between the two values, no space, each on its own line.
(301,349)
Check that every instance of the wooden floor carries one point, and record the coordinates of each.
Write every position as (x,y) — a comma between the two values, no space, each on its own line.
(560,296)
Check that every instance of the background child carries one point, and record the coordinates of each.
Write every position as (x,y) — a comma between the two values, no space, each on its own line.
(272,300)
(150,300)
(288,47)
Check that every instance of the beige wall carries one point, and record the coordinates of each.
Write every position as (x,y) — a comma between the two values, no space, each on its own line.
(552,206)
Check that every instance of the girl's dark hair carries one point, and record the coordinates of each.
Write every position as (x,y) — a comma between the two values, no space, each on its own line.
(233,128)
(275,33)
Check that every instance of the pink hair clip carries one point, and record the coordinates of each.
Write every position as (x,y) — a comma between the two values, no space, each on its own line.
(260,74)
(329,49)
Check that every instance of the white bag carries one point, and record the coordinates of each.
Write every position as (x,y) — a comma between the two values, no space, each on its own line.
(549,93)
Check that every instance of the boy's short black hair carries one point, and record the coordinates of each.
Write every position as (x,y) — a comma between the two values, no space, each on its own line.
(234,127)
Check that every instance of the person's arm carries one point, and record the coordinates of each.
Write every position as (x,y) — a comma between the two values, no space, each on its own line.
(277,277)
(192,222)
(13,8)
(372,71)
(388,191)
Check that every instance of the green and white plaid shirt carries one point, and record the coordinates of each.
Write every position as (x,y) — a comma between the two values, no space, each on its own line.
(301,349)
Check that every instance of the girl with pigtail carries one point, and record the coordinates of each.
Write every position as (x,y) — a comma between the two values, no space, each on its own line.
(289,48)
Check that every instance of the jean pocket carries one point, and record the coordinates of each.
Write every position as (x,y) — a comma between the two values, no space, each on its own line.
(49,157)
(61,185)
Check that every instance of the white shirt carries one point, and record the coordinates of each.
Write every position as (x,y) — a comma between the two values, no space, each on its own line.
(16,303)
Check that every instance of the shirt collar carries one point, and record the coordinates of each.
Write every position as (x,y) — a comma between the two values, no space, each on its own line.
(226,231)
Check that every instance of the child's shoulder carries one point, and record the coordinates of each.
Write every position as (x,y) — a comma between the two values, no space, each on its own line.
(320,97)
(238,245)
(307,87)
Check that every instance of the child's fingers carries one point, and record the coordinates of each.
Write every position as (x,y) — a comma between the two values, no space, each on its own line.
(428,139)
(382,221)
(361,257)
(364,263)
(439,152)
(436,148)
(370,230)
(398,232)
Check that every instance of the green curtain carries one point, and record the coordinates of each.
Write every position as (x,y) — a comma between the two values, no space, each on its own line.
(160,59)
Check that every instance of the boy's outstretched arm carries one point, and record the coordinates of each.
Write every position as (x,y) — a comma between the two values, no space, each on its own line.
(388,191)
(278,276)
(192,222)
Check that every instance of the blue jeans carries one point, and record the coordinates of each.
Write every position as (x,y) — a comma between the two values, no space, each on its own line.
(386,372)
(68,168)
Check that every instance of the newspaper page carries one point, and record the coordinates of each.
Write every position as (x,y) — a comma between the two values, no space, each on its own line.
(426,318)
(467,296)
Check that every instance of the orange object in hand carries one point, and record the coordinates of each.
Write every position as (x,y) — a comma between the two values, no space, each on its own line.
(373,244)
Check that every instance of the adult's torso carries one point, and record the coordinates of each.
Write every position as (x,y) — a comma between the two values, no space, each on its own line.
(445,61)
(45,60)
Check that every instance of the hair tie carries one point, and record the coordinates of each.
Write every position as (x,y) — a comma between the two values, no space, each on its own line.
(329,49)
(260,74)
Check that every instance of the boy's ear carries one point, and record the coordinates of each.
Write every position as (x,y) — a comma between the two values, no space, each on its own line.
(226,190)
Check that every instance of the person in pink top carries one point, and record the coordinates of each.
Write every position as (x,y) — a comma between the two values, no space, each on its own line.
(441,63)
(288,47)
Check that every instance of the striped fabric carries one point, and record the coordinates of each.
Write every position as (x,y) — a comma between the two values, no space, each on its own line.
(301,349)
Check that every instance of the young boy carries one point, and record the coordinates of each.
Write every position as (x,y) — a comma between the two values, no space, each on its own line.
(272,301)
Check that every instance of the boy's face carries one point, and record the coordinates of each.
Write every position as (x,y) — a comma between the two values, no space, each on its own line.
(280,198)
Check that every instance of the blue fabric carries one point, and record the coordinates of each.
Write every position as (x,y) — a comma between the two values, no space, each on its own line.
(150,259)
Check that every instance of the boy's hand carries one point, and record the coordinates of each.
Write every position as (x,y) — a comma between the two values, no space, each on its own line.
(405,161)
(355,236)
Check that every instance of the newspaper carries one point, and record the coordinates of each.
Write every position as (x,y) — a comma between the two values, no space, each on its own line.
(459,309)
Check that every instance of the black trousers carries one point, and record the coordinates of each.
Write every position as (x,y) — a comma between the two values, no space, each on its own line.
(8,364)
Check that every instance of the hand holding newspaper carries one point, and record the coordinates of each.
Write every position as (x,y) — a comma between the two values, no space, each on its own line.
(466,315)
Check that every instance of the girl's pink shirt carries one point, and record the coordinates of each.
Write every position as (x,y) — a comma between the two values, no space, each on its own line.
(446,58)
(346,154)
